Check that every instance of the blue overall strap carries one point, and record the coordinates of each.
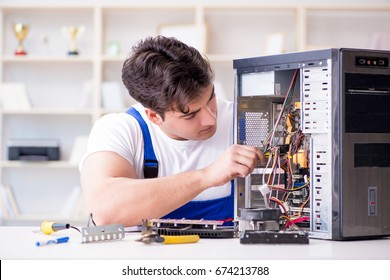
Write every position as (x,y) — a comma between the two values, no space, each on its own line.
(150,159)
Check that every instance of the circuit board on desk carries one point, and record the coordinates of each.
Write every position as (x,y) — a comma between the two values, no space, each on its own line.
(203,228)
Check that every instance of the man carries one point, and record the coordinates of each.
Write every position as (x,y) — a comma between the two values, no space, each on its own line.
(191,136)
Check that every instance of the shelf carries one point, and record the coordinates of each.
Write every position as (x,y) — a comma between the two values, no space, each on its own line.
(46,58)
(38,164)
(49,111)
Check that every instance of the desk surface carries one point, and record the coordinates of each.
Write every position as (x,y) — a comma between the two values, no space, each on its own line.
(19,243)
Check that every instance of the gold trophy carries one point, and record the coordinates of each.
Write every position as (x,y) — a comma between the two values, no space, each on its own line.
(73,32)
(21,31)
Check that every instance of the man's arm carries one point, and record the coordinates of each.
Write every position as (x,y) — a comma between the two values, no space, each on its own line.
(115,195)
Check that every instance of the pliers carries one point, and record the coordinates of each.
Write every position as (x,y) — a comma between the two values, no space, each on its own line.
(149,236)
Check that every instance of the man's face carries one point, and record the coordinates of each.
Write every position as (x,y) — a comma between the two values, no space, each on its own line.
(199,123)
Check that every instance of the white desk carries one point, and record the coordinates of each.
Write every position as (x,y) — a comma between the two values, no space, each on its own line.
(19,243)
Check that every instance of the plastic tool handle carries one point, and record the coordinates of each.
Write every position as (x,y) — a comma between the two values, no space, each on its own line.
(180,239)
(50,227)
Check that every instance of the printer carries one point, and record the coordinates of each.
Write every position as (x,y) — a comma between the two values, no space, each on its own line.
(33,149)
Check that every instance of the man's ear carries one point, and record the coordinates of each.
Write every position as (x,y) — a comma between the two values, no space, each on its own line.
(153,116)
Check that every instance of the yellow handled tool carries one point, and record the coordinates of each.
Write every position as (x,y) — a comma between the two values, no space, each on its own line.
(148,236)
(179,239)
(50,227)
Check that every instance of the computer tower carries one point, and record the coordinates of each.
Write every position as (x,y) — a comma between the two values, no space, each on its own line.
(322,119)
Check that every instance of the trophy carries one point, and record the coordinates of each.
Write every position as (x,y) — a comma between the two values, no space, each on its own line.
(21,31)
(73,32)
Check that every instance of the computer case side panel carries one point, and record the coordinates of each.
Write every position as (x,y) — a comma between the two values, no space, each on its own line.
(365,144)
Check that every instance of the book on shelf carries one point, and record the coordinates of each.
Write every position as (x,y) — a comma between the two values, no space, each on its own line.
(191,34)
(3,204)
(14,96)
(85,99)
(112,97)
(274,43)
(71,201)
(9,206)
(79,149)
(74,204)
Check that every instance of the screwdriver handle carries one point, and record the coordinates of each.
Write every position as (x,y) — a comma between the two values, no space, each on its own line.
(179,239)
(50,227)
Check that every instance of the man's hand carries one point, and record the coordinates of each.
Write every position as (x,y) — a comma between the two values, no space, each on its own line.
(237,161)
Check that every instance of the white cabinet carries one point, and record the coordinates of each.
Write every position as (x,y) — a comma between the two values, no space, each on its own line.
(56,87)
(65,91)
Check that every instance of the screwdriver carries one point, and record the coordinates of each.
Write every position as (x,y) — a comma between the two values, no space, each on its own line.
(151,236)
(167,239)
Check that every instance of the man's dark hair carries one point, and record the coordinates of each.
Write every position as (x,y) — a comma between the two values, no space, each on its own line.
(164,74)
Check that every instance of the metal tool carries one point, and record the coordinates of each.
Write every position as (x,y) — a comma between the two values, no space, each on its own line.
(149,236)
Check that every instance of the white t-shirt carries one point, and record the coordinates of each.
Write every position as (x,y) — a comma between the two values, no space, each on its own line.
(121,133)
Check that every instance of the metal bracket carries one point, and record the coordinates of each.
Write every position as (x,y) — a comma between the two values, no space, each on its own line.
(102,233)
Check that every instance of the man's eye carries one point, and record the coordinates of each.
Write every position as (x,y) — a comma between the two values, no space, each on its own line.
(190,117)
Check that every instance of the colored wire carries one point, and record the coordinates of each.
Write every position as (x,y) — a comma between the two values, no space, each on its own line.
(73,227)
(303,205)
(286,101)
(295,221)
(280,203)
